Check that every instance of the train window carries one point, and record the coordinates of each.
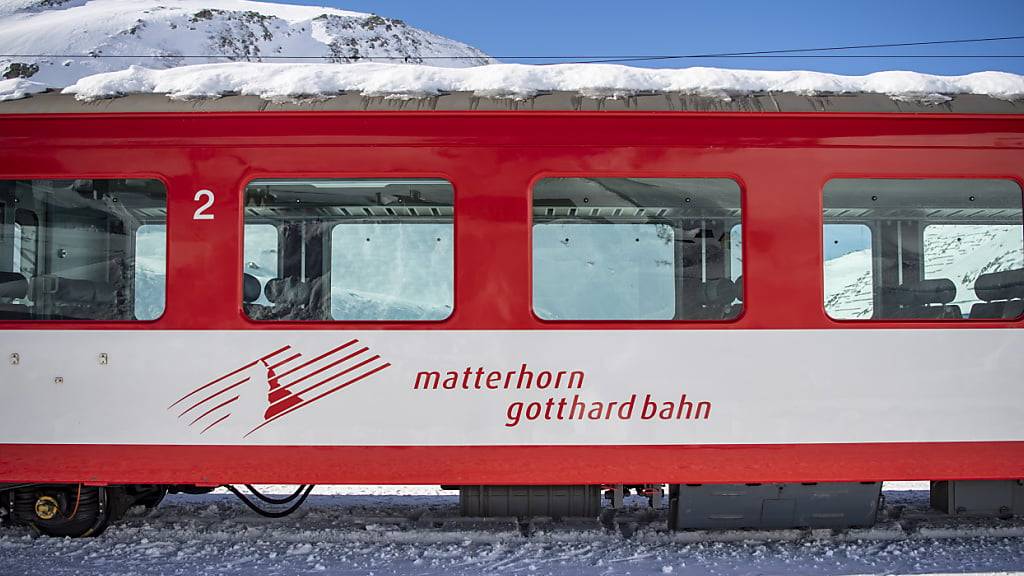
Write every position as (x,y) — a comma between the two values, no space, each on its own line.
(848,274)
(26,243)
(636,249)
(354,249)
(608,272)
(926,249)
(950,248)
(736,255)
(150,271)
(418,287)
(260,259)
(71,250)
(16,263)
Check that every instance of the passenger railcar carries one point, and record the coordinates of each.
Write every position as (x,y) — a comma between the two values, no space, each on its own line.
(475,293)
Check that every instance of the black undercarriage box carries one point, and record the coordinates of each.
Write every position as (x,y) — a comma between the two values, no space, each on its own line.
(806,505)
(528,501)
(1001,498)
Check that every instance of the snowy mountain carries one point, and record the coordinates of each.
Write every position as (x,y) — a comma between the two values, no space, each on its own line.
(64,40)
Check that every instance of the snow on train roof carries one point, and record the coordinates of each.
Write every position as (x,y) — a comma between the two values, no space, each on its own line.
(17,88)
(279,82)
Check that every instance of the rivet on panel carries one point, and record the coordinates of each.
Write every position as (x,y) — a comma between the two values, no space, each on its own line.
(104,359)
(15,359)
(58,380)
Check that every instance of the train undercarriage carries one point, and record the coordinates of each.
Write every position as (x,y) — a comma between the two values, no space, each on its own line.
(78,510)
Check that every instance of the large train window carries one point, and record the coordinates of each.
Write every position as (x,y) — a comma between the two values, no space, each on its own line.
(636,249)
(81,249)
(924,249)
(354,249)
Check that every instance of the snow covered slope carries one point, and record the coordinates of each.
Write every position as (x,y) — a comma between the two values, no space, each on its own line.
(160,33)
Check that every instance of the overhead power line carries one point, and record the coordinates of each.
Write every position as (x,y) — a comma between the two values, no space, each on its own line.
(791,51)
(795,52)
(789,56)
(593,59)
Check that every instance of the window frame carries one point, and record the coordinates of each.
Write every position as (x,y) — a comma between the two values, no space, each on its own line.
(597,174)
(944,323)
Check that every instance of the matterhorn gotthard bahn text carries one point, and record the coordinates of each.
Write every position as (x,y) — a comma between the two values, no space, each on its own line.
(64,40)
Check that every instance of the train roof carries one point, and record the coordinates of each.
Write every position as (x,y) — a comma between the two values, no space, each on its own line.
(255,87)
(56,103)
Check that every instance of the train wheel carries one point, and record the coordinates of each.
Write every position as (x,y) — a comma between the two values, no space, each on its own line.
(148,496)
(73,510)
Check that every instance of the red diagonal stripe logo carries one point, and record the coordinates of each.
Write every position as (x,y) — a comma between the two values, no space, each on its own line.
(275,385)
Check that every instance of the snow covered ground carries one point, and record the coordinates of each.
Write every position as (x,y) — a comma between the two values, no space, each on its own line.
(416,530)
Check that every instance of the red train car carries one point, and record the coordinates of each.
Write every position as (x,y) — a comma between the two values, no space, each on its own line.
(681,291)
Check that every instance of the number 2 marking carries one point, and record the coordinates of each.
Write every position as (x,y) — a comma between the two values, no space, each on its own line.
(201,211)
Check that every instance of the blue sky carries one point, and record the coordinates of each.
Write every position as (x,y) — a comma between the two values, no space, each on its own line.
(534,27)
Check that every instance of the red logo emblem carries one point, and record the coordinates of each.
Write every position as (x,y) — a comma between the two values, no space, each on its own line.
(290,383)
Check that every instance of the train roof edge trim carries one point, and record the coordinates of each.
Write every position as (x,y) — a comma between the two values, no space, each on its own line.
(52,102)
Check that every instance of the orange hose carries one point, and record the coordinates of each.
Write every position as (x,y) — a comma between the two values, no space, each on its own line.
(78,499)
